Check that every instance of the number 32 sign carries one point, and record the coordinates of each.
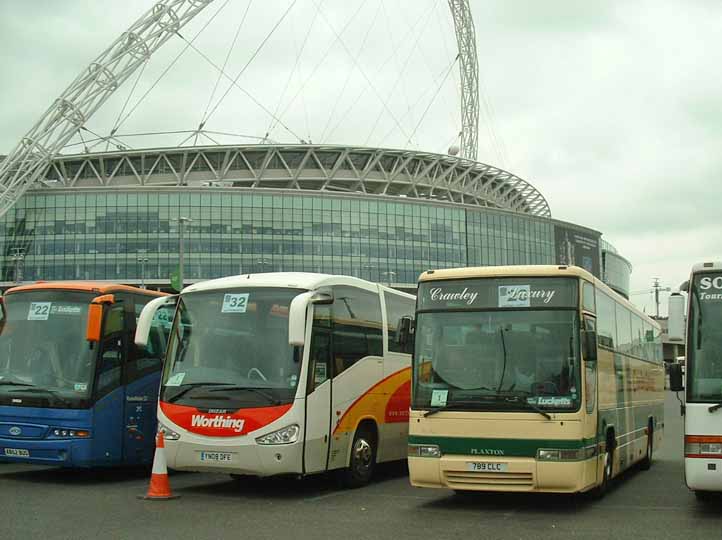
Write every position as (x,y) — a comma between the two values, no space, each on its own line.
(234,303)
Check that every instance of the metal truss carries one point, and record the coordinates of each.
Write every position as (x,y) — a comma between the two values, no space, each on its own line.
(413,175)
(332,169)
(87,93)
(469,68)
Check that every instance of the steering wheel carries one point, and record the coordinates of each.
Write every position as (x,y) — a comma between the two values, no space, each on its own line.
(258,372)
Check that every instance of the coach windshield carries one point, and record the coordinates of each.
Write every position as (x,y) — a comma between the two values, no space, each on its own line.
(229,348)
(497,344)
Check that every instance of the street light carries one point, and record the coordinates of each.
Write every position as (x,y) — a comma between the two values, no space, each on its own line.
(181,229)
(265,261)
(142,259)
(389,275)
(18,257)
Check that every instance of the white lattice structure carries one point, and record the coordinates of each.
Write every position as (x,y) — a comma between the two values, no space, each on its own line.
(91,89)
(371,171)
(469,71)
(88,92)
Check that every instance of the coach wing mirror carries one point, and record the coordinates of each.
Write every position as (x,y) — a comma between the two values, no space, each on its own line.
(590,345)
(676,377)
(95,317)
(405,333)
(148,316)
(297,314)
(675,323)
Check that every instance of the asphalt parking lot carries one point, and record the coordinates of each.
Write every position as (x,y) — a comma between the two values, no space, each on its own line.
(51,503)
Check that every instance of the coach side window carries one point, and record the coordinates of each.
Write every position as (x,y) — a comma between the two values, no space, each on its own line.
(606,321)
(590,371)
(588,296)
(624,329)
(110,361)
(356,323)
(320,349)
(396,308)
(150,358)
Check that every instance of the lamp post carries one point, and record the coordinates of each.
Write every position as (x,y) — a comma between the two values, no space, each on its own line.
(18,257)
(389,275)
(265,261)
(142,259)
(181,253)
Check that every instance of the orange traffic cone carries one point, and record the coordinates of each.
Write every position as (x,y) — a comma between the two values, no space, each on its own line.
(159,488)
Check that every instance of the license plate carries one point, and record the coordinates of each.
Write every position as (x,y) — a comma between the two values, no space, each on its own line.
(217,457)
(17,452)
(485,466)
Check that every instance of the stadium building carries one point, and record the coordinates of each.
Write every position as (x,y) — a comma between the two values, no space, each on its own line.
(378,214)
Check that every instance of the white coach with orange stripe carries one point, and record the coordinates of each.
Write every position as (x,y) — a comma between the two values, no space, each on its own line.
(285,373)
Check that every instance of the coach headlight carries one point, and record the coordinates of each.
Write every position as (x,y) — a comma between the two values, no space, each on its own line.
(287,435)
(168,433)
(565,454)
(424,450)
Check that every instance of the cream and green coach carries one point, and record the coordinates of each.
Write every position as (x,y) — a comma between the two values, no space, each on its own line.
(531,378)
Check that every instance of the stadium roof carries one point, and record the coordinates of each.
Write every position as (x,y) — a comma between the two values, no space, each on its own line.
(330,169)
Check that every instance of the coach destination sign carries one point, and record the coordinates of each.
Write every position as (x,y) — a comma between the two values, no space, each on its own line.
(494,293)
(709,287)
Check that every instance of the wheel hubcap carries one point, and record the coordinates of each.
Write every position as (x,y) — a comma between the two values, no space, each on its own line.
(362,454)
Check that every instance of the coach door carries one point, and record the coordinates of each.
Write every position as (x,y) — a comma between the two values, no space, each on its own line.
(318,393)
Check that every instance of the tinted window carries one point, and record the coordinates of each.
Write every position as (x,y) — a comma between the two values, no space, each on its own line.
(112,357)
(234,337)
(356,317)
(396,308)
(624,329)
(606,321)
(319,366)
(114,320)
(704,345)
(648,342)
(637,336)
(150,358)
(588,296)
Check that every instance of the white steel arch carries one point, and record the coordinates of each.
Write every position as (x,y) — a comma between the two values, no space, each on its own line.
(87,93)
(469,68)
(92,88)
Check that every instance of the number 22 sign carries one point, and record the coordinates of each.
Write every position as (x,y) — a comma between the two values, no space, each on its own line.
(39,311)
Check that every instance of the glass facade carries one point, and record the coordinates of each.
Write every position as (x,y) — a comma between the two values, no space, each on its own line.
(617,271)
(101,233)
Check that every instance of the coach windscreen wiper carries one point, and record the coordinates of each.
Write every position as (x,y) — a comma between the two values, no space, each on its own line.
(524,403)
(454,405)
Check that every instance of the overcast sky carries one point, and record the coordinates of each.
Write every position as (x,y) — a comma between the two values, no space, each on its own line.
(612,109)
